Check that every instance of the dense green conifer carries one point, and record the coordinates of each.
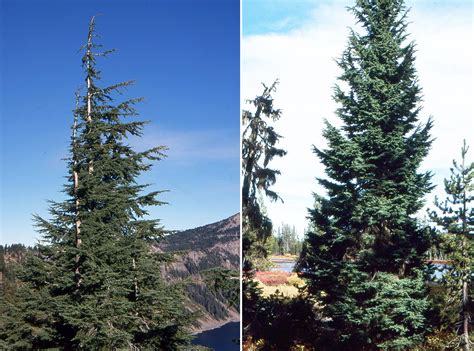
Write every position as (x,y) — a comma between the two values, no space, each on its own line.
(95,282)
(364,258)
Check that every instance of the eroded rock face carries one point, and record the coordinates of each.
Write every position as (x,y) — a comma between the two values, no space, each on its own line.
(210,246)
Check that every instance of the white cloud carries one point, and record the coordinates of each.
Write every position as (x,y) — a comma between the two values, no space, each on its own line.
(303,60)
(192,146)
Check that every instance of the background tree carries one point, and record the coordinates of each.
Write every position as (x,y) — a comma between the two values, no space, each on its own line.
(95,283)
(363,261)
(457,243)
(286,241)
(258,149)
(225,282)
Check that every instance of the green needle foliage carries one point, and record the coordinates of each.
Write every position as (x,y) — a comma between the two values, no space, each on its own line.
(457,243)
(363,259)
(225,282)
(258,149)
(95,283)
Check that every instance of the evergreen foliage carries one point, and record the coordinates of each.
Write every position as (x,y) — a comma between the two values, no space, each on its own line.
(283,324)
(11,257)
(226,283)
(95,283)
(364,259)
(258,149)
(457,243)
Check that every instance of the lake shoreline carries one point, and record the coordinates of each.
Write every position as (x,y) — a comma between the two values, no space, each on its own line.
(207,325)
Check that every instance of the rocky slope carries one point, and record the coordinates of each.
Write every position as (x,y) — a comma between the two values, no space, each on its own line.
(198,250)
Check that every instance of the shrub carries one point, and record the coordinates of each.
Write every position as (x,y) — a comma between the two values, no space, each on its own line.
(294,280)
(272,278)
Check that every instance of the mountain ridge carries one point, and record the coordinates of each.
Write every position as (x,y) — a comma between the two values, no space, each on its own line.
(197,250)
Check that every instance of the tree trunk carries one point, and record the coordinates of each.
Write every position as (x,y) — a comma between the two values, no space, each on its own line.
(135,281)
(465,302)
(465,292)
(89,82)
(465,313)
(78,241)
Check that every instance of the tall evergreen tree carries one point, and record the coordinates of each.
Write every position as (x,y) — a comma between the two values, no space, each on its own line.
(95,282)
(364,258)
(259,141)
(457,243)
(258,149)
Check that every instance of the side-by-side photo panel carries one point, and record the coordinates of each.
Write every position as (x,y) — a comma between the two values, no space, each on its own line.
(120,170)
(224,175)
(357,175)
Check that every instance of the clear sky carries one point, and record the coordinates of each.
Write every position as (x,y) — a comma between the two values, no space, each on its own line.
(184,56)
(297,42)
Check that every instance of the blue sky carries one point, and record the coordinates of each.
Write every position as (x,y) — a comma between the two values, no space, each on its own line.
(282,16)
(184,56)
(277,16)
(297,42)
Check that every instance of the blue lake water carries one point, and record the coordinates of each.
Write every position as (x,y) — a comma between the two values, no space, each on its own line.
(220,339)
(285,266)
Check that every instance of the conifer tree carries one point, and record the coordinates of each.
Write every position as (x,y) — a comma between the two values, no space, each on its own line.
(258,149)
(457,242)
(95,282)
(364,258)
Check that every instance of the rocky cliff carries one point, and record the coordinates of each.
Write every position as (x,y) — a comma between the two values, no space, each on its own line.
(199,250)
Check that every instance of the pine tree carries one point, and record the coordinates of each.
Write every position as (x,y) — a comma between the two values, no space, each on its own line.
(457,242)
(364,258)
(258,149)
(95,282)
